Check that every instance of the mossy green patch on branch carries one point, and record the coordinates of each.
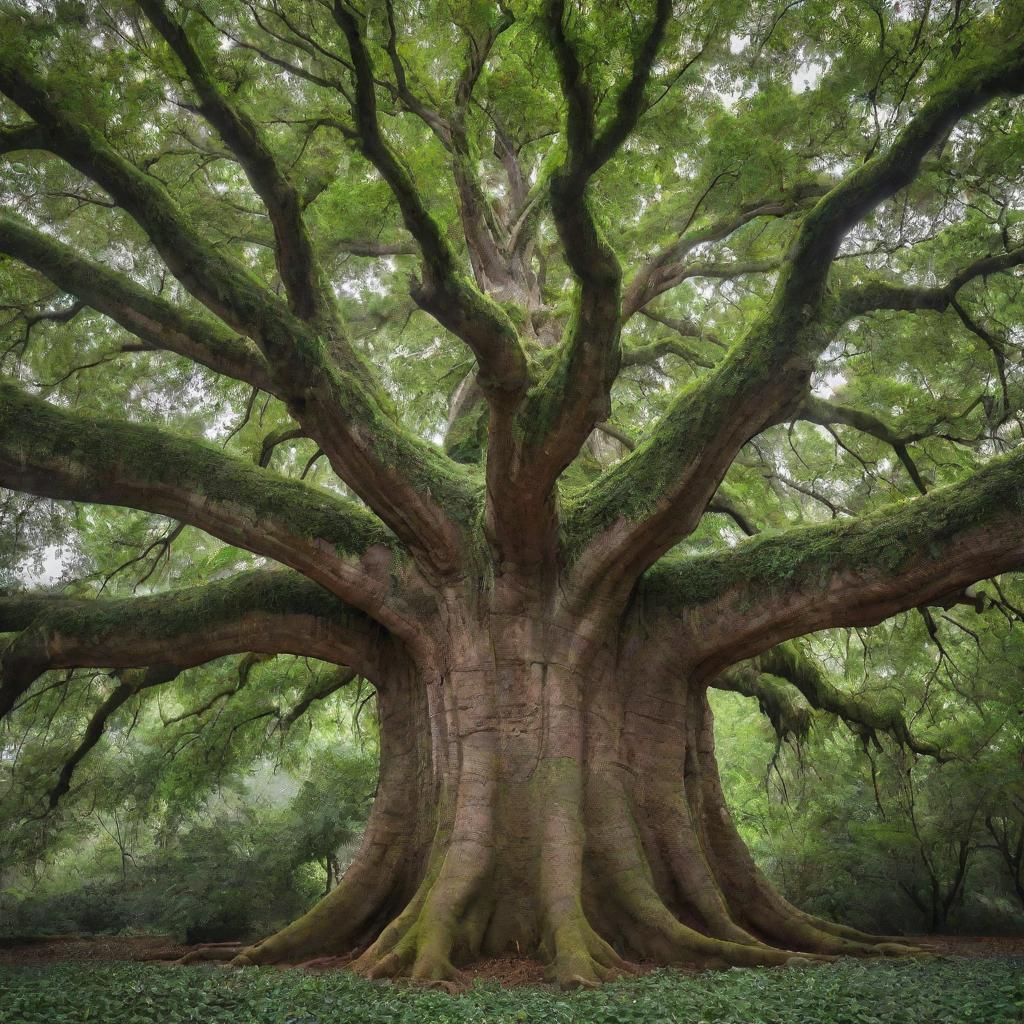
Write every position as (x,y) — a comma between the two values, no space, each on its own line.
(878,543)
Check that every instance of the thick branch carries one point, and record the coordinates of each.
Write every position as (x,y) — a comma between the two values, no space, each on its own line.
(771,677)
(741,602)
(651,352)
(48,451)
(867,716)
(485,239)
(340,406)
(875,295)
(263,610)
(156,321)
(575,395)
(293,250)
(654,497)
(966,90)
(445,292)
(590,147)
(788,715)
(16,137)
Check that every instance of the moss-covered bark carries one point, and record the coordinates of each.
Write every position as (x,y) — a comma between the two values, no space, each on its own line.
(263,611)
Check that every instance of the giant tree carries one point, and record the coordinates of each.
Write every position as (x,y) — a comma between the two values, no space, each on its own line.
(644,251)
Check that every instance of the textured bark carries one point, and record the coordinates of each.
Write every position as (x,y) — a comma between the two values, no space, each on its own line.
(543,793)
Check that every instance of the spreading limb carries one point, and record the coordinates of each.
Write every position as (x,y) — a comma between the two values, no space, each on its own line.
(48,451)
(856,571)
(262,610)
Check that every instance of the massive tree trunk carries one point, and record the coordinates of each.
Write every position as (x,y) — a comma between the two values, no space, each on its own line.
(543,792)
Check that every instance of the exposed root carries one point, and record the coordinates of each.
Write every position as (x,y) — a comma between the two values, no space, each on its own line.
(420,965)
(659,935)
(213,951)
(581,958)
(693,878)
(325,963)
(844,931)
(751,898)
(329,929)
(643,918)
(446,914)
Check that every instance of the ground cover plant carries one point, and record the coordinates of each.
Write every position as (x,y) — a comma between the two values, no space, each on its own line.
(982,991)
(496,379)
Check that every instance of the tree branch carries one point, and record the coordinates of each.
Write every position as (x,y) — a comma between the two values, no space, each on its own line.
(275,612)
(858,571)
(669,268)
(869,296)
(653,498)
(787,714)
(445,292)
(478,222)
(222,284)
(48,451)
(817,410)
(129,684)
(336,680)
(405,480)
(161,324)
(724,504)
(867,716)
(293,250)
(574,395)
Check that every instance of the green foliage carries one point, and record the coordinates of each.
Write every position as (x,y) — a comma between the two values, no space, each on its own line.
(209,815)
(982,991)
(242,864)
(857,828)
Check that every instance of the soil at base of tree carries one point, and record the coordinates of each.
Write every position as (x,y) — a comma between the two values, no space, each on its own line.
(506,970)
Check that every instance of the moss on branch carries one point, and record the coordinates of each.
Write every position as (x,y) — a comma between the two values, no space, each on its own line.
(153,319)
(908,542)
(266,611)
(50,451)
(407,481)
(867,717)
(655,494)
(788,715)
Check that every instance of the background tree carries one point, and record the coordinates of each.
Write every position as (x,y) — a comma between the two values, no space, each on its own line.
(857,828)
(630,276)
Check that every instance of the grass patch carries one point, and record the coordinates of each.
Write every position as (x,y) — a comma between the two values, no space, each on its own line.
(955,990)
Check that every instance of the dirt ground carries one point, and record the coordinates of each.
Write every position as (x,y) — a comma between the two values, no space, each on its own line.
(507,970)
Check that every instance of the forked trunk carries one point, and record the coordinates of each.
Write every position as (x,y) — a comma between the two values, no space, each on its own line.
(542,795)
